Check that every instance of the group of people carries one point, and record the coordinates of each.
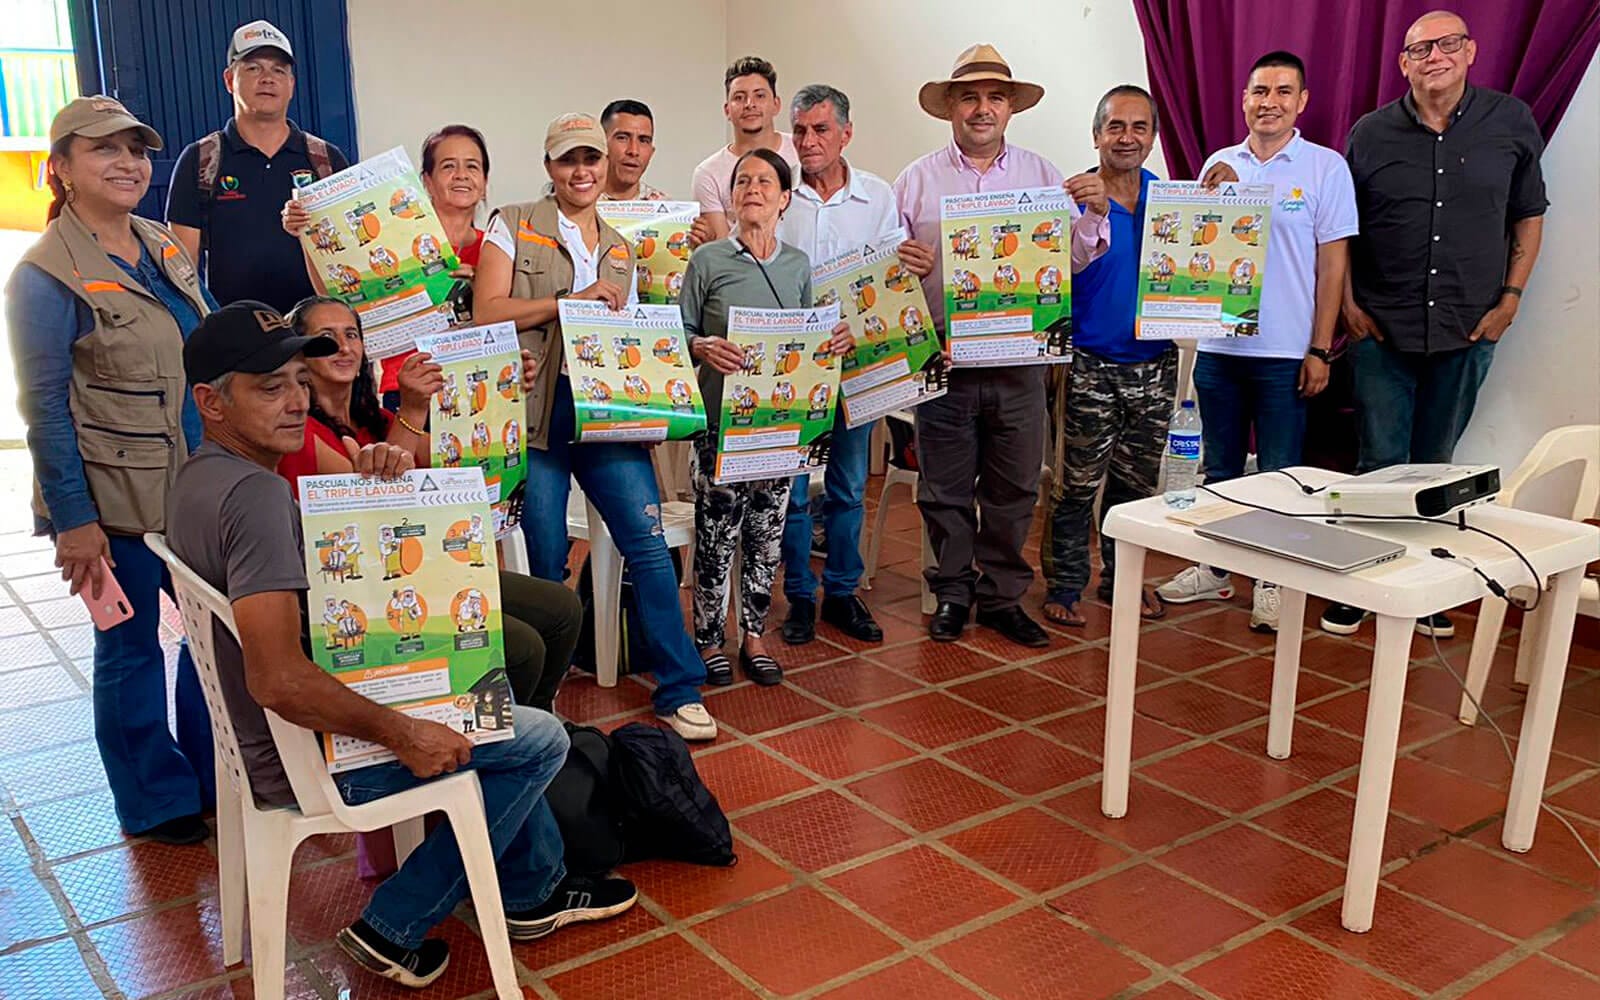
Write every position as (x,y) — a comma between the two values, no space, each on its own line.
(158,401)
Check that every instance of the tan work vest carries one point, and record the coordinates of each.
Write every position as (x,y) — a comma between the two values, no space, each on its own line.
(127,372)
(541,269)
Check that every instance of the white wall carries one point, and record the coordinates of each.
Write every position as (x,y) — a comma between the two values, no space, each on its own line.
(509,67)
(1078,52)
(1546,370)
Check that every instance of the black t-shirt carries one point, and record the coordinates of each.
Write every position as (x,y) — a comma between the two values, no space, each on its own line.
(248,255)
(1436,212)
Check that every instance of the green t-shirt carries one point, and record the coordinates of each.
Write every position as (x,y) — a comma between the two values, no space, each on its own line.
(721,275)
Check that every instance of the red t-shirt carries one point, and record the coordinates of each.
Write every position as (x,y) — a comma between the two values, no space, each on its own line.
(304,461)
(390,382)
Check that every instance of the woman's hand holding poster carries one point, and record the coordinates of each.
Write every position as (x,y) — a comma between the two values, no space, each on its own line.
(777,410)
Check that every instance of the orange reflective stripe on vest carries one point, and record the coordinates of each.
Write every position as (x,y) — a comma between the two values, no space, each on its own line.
(102,286)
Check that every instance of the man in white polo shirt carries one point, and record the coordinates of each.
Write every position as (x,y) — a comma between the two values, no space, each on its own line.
(835,207)
(1262,382)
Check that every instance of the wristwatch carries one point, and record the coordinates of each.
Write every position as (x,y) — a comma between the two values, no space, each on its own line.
(1321,354)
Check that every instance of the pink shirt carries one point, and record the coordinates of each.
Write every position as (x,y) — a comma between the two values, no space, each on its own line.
(948,171)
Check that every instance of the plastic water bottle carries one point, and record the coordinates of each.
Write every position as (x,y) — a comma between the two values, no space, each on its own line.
(1182,469)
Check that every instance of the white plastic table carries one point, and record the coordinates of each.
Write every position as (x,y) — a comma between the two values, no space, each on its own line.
(1399,592)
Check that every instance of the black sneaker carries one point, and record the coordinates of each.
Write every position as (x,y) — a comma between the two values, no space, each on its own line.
(578,898)
(1436,625)
(1342,619)
(801,625)
(413,967)
(180,832)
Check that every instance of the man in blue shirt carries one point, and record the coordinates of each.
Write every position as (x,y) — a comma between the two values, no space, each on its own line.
(1118,394)
(228,188)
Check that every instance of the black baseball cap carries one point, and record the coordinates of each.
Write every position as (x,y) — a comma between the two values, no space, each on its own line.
(246,336)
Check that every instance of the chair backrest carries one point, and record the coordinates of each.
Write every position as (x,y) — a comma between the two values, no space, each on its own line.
(1558,448)
(200,605)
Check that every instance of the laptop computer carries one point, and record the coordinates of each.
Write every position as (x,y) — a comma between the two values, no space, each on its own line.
(1303,539)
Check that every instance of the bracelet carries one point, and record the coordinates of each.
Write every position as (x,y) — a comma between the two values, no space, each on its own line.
(418,431)
(1513,289)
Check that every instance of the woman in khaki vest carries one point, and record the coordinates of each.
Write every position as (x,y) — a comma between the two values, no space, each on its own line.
(534,254)
(98,310)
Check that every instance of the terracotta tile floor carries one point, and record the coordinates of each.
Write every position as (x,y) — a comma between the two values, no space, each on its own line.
(914,820)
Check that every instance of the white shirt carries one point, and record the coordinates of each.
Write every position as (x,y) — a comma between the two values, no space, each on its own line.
(714,175)
(1313,202)
(860,212)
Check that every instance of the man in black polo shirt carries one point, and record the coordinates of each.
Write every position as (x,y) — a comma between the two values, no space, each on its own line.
(228,189)
(1452,209)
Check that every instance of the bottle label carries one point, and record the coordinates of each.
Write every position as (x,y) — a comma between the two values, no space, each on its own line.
(1183,445)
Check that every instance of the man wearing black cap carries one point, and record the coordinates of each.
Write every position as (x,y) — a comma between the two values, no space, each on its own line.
(233,521)
(228,189)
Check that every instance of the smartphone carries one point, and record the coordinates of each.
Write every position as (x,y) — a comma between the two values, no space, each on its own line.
(111,608)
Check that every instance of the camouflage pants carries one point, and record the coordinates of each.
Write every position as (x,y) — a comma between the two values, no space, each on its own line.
(745,517)
(1116,431)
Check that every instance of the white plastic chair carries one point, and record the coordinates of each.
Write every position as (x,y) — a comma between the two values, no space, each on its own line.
(1560,447)
(256,845)
(893,476)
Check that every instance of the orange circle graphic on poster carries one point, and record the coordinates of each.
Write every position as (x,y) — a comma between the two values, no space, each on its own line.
(782,396)
(666,349)
(874,328)
(410,555)
(1004,244)
(406,611)
(1006,278)
(788,361)
(636,388)
(678,245)
(679,392)
(1201,266)
(822,357)
(1047,279)
(384,263)
(817,398)
(1162,267)
(479,440)
(511,436)
(1047,235)
(344,623)
(645,247)
(405,204)
(426,249)
(911,319)
(1242,271)
(897,279)
(469,609)
(480,395)
(370,227)
(510,380)
(674,284)
(643,277)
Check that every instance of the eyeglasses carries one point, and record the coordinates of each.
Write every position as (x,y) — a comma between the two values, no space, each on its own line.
(1448,44)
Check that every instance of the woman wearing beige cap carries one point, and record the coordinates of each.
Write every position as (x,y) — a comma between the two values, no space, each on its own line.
(99,309)
(534,254)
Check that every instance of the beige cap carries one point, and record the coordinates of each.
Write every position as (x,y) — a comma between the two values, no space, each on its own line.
(573,131)
(257,35)
(981,62)
(97,116)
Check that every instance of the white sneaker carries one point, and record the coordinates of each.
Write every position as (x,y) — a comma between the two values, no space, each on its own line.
(1264,606)
(692,722)
(1196,584)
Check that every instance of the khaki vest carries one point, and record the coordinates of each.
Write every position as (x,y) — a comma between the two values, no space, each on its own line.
(127,372)
(541,269)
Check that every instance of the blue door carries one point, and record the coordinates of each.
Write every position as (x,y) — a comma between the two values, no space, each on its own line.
(164,60)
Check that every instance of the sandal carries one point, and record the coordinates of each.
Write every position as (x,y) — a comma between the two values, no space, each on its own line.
(719,669)
(1151,607)
(761,668)
(1061,612)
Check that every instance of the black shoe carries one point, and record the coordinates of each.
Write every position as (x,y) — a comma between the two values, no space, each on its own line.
(1014,624)
(800,627)
(1436,625)
(413,967)
(577,899)
(1342,619)
(850,616)
(949,619)
(762,669)
(180,832)
(1106,590)
(719,669)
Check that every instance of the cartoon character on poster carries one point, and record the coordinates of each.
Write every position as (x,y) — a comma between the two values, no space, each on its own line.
(475,540)
(480,439)
(352,552)
(449,397)
(512,435)
(470,611)
(467,705)
(389,551)
(407,612)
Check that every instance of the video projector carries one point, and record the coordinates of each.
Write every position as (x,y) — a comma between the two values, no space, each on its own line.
(1413,490)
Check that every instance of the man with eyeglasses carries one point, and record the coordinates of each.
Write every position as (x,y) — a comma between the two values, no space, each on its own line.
(228,188)
(1452,206)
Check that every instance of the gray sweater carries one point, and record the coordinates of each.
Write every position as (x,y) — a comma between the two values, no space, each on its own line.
(721,275)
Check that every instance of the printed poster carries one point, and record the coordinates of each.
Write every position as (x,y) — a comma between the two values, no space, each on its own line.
(1008,276)
(375,242)
(777,412)
(476,419)
(632,378)
(404,606)
(659,232)
(1203,260)
(898,361)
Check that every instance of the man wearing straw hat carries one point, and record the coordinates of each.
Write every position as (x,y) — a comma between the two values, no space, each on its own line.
(982,444)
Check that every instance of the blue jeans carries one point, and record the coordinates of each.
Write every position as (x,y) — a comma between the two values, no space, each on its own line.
(845,484)
(522,830)
(1237,394)
(153,777)
(1414,407)
(621,482)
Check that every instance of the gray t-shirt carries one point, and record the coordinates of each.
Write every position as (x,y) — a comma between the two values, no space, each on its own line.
(237,526)
(721,275)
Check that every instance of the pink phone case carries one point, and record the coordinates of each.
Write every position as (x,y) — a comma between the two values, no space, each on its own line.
(112,607)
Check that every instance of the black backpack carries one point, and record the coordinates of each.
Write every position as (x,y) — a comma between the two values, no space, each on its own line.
(581,797)
(666,810)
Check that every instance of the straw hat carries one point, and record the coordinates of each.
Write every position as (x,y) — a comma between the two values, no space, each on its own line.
(981,62)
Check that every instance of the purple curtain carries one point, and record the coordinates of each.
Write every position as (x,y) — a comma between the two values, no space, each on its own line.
(1199,53)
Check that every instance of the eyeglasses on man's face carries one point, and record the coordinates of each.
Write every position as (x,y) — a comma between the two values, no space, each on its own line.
(1448,44)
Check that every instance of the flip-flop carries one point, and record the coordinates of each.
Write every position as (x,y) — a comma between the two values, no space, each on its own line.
(1151,607)
(1057,613)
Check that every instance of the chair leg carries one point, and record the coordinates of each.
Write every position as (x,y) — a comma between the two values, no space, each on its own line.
(515,547)
(1485,637)
(232,884)
(605,562)
(477,858)
(407,838)
(875,546)
(268,855)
